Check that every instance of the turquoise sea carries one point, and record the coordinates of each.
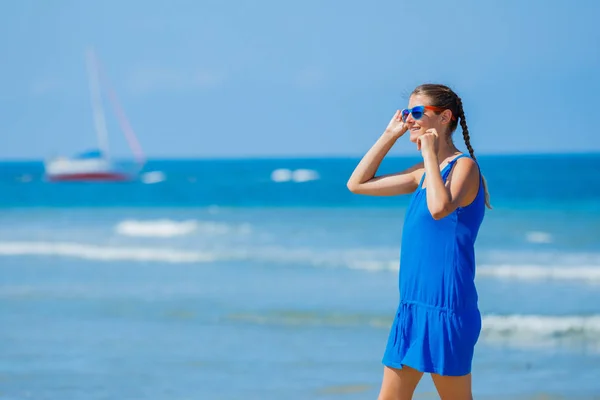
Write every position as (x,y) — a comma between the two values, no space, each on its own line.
(267,279)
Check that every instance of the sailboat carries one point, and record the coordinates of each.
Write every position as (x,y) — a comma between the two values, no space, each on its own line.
(96,165)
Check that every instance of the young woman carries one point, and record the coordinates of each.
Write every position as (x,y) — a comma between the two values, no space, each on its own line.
(437,322)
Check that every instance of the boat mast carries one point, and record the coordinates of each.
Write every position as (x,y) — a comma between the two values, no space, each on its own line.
(132,140)
(99,121)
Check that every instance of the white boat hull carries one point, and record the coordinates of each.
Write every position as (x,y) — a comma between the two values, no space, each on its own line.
(93,169)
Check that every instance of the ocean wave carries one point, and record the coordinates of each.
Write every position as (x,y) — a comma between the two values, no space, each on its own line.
(157,228)
(375,261)
(297,175)
(102,253)
(369,260)
(164,228)
(543,330)
(526,272)
(542,326)
(538,237)
(537,272)
(153,177)
(271,255)
(524,329)
(556,258)
(521,272)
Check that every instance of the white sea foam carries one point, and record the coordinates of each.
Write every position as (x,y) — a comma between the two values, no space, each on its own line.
(557,258)
(297,175)
(153,177)
(575,267)
(524,272)
(524,329)
(156,228)
(536,272)
(371,260)
(304,175)
(538,237)
(373,265)
(163,228)
(103,253)
(543,330)
(541,325)
(281,175)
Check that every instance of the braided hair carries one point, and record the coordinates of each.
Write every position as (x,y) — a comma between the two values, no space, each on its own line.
(444,97)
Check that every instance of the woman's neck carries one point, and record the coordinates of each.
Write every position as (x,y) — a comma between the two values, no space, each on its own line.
(446,150)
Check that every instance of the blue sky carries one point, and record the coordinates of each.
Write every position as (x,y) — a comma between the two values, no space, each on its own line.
(276,78)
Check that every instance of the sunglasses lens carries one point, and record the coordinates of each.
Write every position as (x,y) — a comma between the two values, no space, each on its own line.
(405,115)
(418,112)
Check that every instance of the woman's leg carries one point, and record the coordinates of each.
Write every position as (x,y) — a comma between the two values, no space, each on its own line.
(453,387)
(399,384)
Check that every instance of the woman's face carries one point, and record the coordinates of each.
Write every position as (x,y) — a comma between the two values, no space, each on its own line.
(417,128)
(430,119)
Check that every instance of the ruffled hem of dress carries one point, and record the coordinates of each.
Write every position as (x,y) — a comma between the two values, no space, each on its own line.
(401,349)
(429,369)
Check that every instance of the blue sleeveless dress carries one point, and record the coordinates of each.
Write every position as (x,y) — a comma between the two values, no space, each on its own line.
(438,321)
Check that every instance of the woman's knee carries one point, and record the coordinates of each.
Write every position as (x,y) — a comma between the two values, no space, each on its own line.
(399,384)
(453,387)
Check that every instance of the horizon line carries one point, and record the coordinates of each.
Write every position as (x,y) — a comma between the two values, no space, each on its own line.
(314,156)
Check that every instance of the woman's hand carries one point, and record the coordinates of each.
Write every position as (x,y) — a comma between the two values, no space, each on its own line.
(396,127)
(428,142)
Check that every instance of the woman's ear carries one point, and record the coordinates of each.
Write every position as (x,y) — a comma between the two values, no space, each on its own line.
(446,116)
